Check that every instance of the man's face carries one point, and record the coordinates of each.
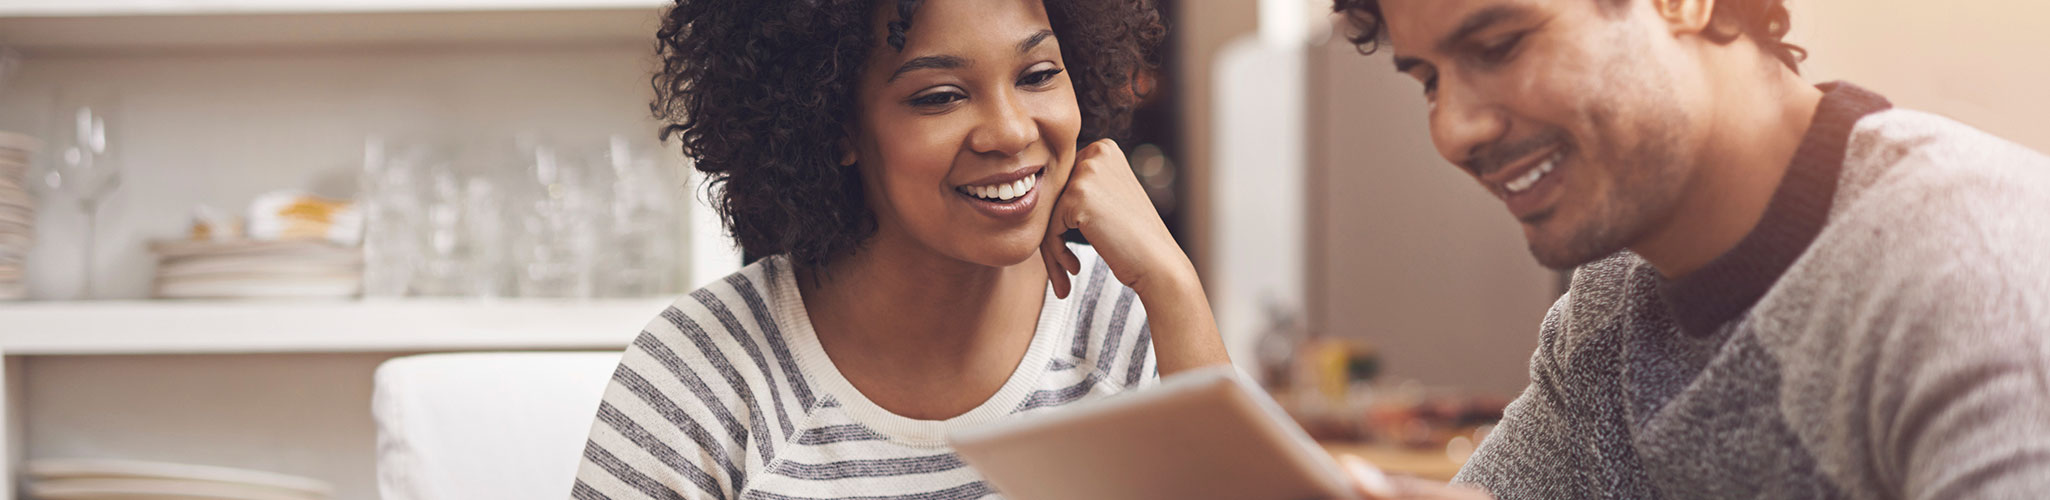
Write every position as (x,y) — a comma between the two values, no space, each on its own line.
(1566,110)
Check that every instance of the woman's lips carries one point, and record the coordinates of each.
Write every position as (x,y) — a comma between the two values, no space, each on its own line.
(1006,199)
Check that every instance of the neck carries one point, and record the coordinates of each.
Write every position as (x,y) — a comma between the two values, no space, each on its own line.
(1753,135)
(896,301)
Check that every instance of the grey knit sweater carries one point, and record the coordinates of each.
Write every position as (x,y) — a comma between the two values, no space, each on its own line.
(1884,333)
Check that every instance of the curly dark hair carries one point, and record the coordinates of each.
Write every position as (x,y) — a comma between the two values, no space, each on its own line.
(762,94)
(1764,21)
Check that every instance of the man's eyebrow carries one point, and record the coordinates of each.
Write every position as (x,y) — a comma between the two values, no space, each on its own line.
(1034,41)
(1474,23)
(1481,20)
(928,62)
(1404,63)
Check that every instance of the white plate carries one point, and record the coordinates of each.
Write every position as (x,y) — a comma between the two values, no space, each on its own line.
(51,469)
(157,489)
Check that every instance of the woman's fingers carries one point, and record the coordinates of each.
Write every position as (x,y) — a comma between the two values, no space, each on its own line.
(1049,252)
(1054,251)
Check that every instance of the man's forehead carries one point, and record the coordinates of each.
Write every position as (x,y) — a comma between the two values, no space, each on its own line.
(1419,27)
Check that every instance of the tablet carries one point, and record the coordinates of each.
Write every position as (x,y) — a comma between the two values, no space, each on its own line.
(1198,435)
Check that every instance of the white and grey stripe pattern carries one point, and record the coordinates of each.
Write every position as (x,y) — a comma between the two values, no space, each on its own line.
(728,395)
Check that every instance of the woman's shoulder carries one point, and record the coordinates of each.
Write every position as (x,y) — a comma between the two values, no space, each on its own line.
(726,331)
(743,303)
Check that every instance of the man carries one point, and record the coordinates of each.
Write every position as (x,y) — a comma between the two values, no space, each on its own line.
(1782,290)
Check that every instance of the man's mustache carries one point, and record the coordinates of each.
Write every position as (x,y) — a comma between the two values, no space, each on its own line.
(1489,158)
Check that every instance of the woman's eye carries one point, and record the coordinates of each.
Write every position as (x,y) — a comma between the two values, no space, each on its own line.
(1040,77)
(1431,86)
(937,99)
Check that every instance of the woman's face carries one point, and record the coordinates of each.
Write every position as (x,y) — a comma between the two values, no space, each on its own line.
(966,135)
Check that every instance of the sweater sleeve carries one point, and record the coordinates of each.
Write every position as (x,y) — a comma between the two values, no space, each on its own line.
(1961,399)
(1565,436)
(1963,403)
(1533,453)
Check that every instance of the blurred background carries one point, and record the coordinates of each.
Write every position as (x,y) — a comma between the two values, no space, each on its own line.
(220,218)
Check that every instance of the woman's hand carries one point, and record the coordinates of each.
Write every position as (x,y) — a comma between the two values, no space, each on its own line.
(1104,200)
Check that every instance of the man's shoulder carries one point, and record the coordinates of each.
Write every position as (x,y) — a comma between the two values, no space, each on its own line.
(1927,197)
(1933,218)
(1604,298)
(1906,153)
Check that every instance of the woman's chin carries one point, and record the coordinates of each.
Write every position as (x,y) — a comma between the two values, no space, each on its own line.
(1003,250)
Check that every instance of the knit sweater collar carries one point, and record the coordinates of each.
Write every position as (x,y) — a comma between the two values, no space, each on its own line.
(1707,299)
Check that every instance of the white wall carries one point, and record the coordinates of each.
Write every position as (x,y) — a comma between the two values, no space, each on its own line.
(1258,230)
(1407,252)
(1981,62)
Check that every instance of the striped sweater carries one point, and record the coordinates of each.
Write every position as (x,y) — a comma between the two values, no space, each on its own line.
(728,395)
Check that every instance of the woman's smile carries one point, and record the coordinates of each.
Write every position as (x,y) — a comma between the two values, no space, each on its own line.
(1009,196)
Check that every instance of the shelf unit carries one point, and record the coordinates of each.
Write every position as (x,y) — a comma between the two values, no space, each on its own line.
(240,96)
(257,327)
(43,27)
(194,333)
(51,8)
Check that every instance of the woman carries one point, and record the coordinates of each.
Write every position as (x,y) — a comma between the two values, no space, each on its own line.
(908,167)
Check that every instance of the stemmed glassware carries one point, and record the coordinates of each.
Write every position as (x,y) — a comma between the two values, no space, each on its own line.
(83,161)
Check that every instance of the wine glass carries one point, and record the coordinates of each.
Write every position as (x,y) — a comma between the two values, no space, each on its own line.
(82,162)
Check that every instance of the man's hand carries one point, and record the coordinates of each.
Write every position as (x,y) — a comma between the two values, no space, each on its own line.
(1371,484)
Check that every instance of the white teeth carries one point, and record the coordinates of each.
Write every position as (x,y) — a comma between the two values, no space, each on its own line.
(1003,192)
(1521,184)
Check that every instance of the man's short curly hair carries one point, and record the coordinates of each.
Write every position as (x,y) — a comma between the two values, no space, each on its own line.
(761,93)
(1764,21)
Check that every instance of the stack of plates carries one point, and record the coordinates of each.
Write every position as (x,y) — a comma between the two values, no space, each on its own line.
(17,213)
(94,479)
(246,269)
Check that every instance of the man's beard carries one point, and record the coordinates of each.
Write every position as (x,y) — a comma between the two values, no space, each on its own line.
(1650,175)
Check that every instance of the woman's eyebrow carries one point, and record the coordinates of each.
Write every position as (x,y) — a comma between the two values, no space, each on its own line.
(953,62)
(928,62)
(1034,40)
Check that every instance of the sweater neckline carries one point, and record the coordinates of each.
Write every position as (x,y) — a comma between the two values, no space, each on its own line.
(1704,301)
(795,322)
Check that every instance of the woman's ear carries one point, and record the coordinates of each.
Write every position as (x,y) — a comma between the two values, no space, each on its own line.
(848,155)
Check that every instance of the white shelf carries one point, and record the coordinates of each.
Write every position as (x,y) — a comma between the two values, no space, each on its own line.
(235,327)
(45,27)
